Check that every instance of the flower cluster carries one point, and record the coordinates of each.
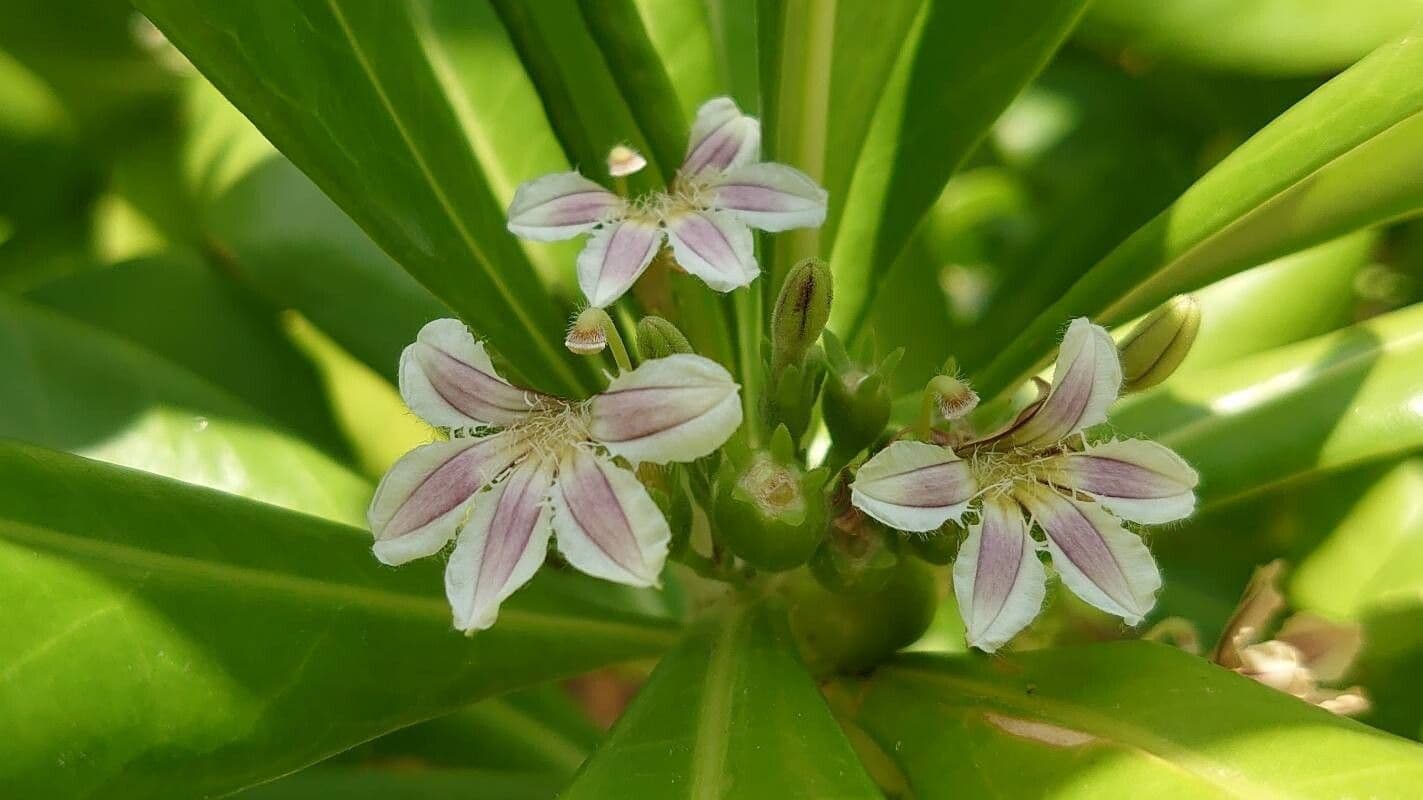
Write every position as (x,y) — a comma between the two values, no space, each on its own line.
(1039,472)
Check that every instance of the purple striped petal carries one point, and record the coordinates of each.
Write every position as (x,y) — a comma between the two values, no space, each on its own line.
(448,380)
(423,498)
(615,257)
(560,206)
(502,546)
(998,580)
(722,138)
(1099,560)
(772,197)
(677,408)
(914,486)
(1085,383)
(1134,479)
(606,523)
(713,246)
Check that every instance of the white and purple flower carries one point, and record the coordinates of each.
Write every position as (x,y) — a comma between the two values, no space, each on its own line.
(547,464)
(720,190)
(1039,472)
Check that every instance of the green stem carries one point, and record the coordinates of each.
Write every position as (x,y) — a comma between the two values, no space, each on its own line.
(750,329)
(615,343)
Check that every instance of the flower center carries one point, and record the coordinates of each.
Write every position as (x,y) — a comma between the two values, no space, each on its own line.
(553,430)
(999,472)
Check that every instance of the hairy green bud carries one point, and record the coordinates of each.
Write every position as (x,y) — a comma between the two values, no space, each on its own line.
(1159,343)
(658,338)
(857,400)
(801,312)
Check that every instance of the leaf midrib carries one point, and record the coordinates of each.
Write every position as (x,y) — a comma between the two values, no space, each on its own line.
(340,595)
(553,357)
(714,714)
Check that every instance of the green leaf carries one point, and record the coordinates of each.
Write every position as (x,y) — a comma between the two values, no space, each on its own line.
(1341,159)
(1316,406)
(682,35)
(729,713)
(253,641)
(1257,36)
(961,65)
(353,783)
(73,387)
(210,327)
(1119,720)
(1373,557)
(348,92)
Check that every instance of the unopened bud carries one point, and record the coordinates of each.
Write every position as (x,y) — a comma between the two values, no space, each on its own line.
(1159,343)
(955,398)
(856,403)
(658,338)
(801,312)
(587,336)
(624,161)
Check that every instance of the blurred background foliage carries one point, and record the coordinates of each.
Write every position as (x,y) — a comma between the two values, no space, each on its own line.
(177,297)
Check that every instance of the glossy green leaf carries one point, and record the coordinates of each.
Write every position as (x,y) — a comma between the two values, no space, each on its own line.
(218,643)
(729,713)
(354,783)
(1282,302)
(311,74)
(1334,401)
(960,67)
(1372,557)
(1258,36)
(1118,720)
(683,37)
(209,326)
(74,387)
(1343,158)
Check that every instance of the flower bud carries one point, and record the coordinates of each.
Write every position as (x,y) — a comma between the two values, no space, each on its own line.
(658,338)
(587,336)
(790,397)
(768,511)
(801,312)
(624,161)
(857,401)
(1159,343)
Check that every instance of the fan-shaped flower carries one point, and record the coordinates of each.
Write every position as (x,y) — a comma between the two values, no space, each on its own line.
(720,190)
(548,466)
(1039,471)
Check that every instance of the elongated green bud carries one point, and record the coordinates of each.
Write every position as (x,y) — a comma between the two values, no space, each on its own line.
(801,312)
(658,338)
(1159,343)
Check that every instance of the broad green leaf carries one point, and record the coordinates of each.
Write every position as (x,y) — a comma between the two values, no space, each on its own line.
(729,713)
(348,92)
(534,730)
(1306,37)
(1282,302)
(218,643)
(733,31)
(74,387)
(1131,719)
(1341,159)
(584,105)
(683,37)
(354,783)
(1373,557)
(209,326)
(1389,668)
(960,66)
(1321,405)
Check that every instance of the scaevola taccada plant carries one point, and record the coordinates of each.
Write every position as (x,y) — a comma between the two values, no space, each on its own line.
(520,467)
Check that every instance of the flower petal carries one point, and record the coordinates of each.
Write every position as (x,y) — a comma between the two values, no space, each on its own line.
(501,547)
(448,380)
(713,246)
(914,486)
(607,525)
(772,197)
(1099,560)
(1085,383)
(423,498)
(615,257)
(998,579)
(560,206)
(1135,479)
(677,408)
(722,137)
